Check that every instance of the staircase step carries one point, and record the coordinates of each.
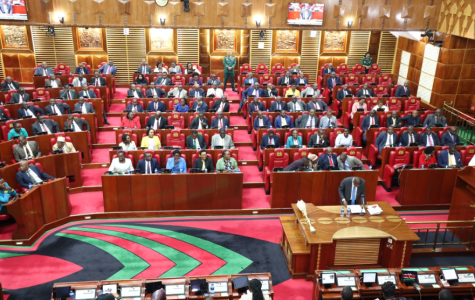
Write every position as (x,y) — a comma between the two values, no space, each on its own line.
(248,162)
(103,146)
(95,165)
(250,185)
(242,143)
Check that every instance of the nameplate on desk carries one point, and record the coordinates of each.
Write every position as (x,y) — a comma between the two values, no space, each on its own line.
(175,289)
(130,291)
(86,294)
(346,281)
(466,277)
(265,285)
(385,278)
(219,287)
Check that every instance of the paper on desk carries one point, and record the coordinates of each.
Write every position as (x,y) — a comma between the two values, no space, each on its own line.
(355,209)
(374,209)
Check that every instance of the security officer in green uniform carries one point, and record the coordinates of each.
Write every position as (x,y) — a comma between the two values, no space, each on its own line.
(229,63)
(367,61)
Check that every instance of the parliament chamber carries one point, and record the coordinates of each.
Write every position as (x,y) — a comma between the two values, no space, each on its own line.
(237,150)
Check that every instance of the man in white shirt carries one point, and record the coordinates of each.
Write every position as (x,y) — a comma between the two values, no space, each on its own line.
(79,81)
(178,92)
(311,91)
(214,92)
(344,139)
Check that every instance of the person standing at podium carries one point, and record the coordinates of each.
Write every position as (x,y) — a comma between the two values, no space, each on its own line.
(351,189)
(6,192)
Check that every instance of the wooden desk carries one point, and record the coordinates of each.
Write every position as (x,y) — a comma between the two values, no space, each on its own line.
(186,116)
(386,240)
(463,288)
(165,101)
(318,188)
(282,132)
(410,291)
(172,192)
(344,103)
(250,120)
(463,201)
(41,205)
(334,293)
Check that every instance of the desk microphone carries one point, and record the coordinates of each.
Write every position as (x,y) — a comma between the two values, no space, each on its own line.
(363,211)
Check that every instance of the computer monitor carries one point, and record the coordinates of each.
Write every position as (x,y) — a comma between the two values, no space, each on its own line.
(328,278)
(241,282)
(408,277)
(466,277)
(426,278)
(85,294)
(265,285)
(450,274)
(385,278)
(346,281)
(130,291)
(369,278)
(110,288)
(151,287)
(198,285)
(62,292)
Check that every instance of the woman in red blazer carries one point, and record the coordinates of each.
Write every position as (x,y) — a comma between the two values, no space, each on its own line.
(130,121)
(428,157)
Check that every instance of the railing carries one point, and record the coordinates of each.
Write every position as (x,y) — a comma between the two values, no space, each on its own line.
(464,122)
(462,230)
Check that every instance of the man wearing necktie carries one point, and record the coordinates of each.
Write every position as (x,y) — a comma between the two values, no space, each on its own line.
(54,108)
(108,68)
(9,84)
(450,137)
(327,160)
(26,149)
(147,165)
(450,158)
(195,141)
(143,68)
(45,125)
(403,91)
(30,175)
(350,190)
(428,138)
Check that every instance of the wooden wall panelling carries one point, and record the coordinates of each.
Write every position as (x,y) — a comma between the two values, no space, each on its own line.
(359,43)
(245,46)
(257,55)
(386,51)
(205,50)
(457,18)
(2,70)
(188,46)
(92,60)
(152,60)
(310,54)
(373,47)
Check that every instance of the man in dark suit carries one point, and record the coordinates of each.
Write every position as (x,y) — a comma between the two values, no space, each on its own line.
(148,165)
(255,105)
(327,159)
(386,139)
(365,91)
(84,107)
(450,137)
(278,105)
(156,105)
(368,121)
(309,120)
(450,158)
(45,125)
(253,91)
(283,120)
(270,139)
(347,162)
(220,122)
(343,93)
(270,91)
(393,120)
(135,106)
(53,82)
(87,93)
(351,189)
(6,7)
(200,122)
(204,162)
(261,121)
(30,175)
(428,138)
(133,92)
(328,70)
(143,68)
(196,91)
(213,80)
(163,80)
(81,69)
(436,119)
(333,80)
(412,119)
(155,91)
(76,124)
(20,97)
(157,121)
(319,139)
(108,68)
(9,84)
(301,80)
(68,94)
(286,79)
(43,70)
(98,80)
(250,80)
(221,105)
(409,137)
(26,149)
(54,108)
(317,104)
(29,110)
(403,91)
(199,105)
(195,141)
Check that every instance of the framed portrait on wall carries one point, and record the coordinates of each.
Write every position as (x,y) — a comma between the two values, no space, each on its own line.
(334,43)
(224,40)
(161,41)
(89,39)
(286,42)
(14,37)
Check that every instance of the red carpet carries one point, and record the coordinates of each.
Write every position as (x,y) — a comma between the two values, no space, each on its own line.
(106,137)
(92,176)
(294,289)
(255,198)
(100,156)
(117,107)
(237,120)
(86,203)
(246,153)
(241,136)
(382,195)
(120,93)
(251,174)
(114,121)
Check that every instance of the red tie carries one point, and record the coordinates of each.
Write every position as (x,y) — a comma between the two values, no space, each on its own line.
(372,121)
(97,79)
(411,138)
(155,105)
(69,95)
(333,82)
(44,128)
(331,160)
(109,70)
(221,123)
(430,140)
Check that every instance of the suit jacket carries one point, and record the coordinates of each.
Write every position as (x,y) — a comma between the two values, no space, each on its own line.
(84,70)
(24,180)
(404,140)
(273,106)
(228,142)
(194,93)
(265,141)
(148,70)
(151,122)
(389,121)
(89,108)
(72,94)
(368,91)
(310,91)
(291,106)
(214,123)
(34,110)
(423,139)
(198,164)
(16,98)
(324,122)
(352,162)
(139,107)
(298,81)
(178,94)
(282,81)
(218,103)
(130,93)
(250,81)
(159,80)
(69,147)
(210,81)
(443,159)
(345,190)
(160,107)
(201,140)
(340,96)
(410,120)
(322,105)
(3,115)
(330,82)
(105,68)
(324,161)
(313,141)
(5,87)
(77,83)
(154,164)
(446,139)
(60,108)
(273,92)
(278,122)
(253,108)
(265,121)
(90,94)
(101,80)
(250,91)
(39,71)
(80,123)
(328,71)
(9,9)
(430,121)
(158,91)
(366,123)
(302,121)
(52,126)
(49,83)
(400,92)
(20,153)
(383,138)
(202,108)
(195,123)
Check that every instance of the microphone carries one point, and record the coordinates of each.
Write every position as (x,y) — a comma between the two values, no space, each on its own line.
(363,211)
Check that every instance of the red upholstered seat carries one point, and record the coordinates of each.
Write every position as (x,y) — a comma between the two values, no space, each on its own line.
(245,68)
(277,159)
(412,104)
(291,66)
(351,79)
(467,153)
(197,155)
(127,155)
(373,150)
(372,102)
(375,69)
(394,104)
(441,132)
(289,133)
(205,135)
(176,139)
(139,102)
(358,69)
(277,69)
(177,120)
(31,162)
(333,134)
(385,79)
(303,152)
(380,91)
(393,90)
(62,68)
(198,67)
(384,117)
(133,136)
(262,69)
(53,140)
(260,153)
(369,79)
(265,79)
(397,158)
(157,134)
(416,155)
(178,79)
(342,69)
(7,127)
(234,155)
(41,94)
(171,155)
(154,155)
(173,103)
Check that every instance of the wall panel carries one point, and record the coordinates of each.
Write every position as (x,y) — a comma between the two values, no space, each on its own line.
(188,46)
(310,54)
(359,44)
(387,49)
(54,49)
(261,56)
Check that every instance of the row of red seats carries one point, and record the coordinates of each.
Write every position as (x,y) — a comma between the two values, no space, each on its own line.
(44,95)
(52,141)
(178,79)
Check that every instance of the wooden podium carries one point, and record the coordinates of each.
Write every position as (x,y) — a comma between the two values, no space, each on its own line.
(340,242)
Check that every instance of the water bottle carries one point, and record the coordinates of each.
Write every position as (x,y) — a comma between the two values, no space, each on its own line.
(71,295)
(342,212)
(135,127)
(206,171)
(229,169)
(403,166)
(30,186)
(348,211)
(226,126)
(422,166)
(128,172)
(370,167)
(1,103)
(155,171)
(211,289)
(100,292)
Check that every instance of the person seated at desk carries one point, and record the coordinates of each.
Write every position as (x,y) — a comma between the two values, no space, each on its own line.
(151,141)
(328,121)
(394,120)
(371,120)
(108,68)
(121,164)
(367,61)
(348,162)
(9,84)
(409,137)
(285,80)
(347,293)
(76,124)
(20,97)
(65,147)
(26,149)
(160,69)
(68,94)
(84,107)
(294,140)
(54,108)
(157,121)
(428,138)
(29,110)
(403,91)
(220,122)
(163,80)
(252,91)
(319,138)
(148,165)
(227,163)
(97,80)
(261,121)
(135,106)
(222,139)
(387,139)
(450,137)
(256,105)
(365,91)
(155,91)
(130,121)
(53,82)
(381,106)
(278,105)
(327,159)
(450,158)
(87,93)
(200,122)
(195,141)
(127,143)
(178,92)
(182,106)
(270,139)
(215,92)
(388,288)
(196,91)
(436,119)
(17,130)
(195,80)
(309,120)
(174,69)
(6,192)
(445,294)
(176,164)
(199,105)
(296,105)
(270,91)
(79,81)
(81,69)
(328,70)
(30,175)
(299,164)
(343,93)
(221,105)
(317,104)
(283,120)
(144,68)
(134,92)
(255,286)
(360,104)
(350,191)
(301,80)
(344,139)
(190,69)
(43,70)
(250,80)
(213,80)
(427,157)
(156,105)
(412,119)
(3,115)
(332,81)
(311,91)
(204,163)
(43,125)
(292,92)
(296,70)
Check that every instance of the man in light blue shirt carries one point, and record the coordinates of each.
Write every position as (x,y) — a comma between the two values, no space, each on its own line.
(176,163)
